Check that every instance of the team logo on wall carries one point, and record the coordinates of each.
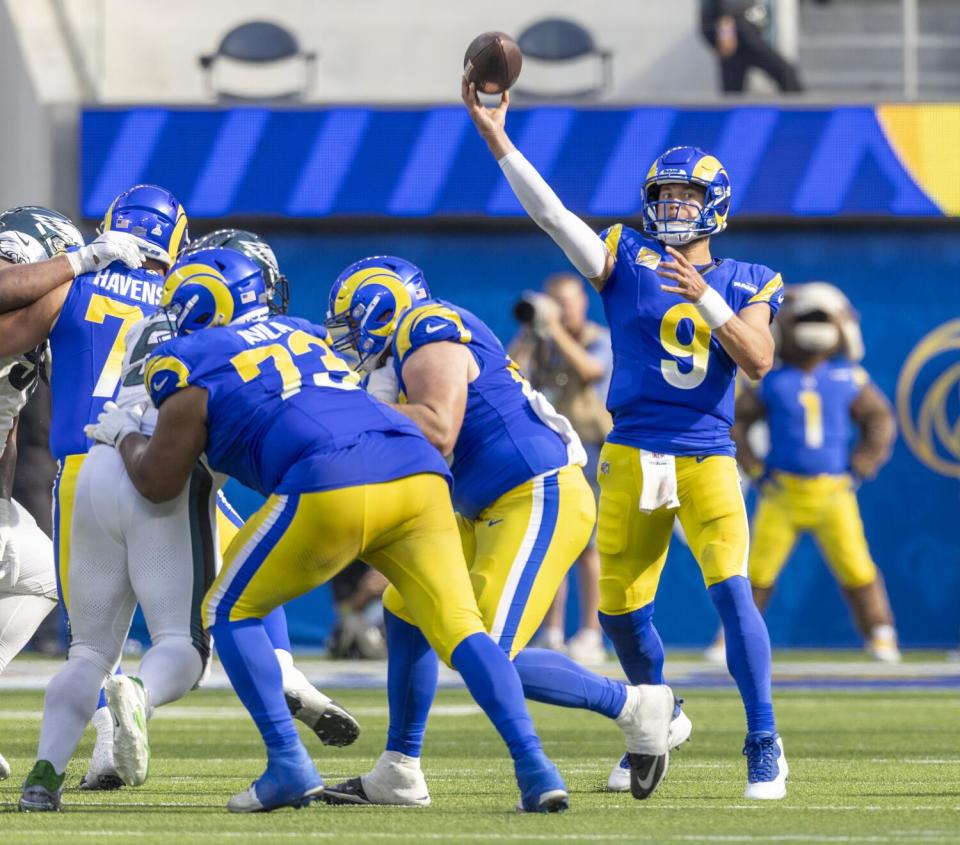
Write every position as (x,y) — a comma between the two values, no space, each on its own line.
(928,399)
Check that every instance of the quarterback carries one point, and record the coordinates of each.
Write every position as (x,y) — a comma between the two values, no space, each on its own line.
(681,325)
(524,509)
(273,406)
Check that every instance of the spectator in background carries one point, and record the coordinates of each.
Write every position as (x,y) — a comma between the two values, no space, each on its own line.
(814,401)
(568,358)
(734,28)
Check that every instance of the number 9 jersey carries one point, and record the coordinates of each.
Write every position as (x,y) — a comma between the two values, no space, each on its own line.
(285,413)
(672,389)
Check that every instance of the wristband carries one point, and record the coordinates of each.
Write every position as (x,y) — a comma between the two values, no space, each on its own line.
(76,263)
(713,308)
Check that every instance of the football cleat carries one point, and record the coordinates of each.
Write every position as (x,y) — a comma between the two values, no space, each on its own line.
(4,768)
(883,644)
(396,780)
(127,702)
(542,790)
(101,773)
(328,720)
(42,789)
(766,766)
(680,730)
(292,782)
(645,722)
(586,647)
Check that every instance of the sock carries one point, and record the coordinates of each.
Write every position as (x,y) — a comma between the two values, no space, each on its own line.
(495,686)
(748,649)
(170,668)
(275,623)
(102,700)
(251,664)
(293,678)
(68,705)
(20,616)
(637,643)
(411,684)
(554,678)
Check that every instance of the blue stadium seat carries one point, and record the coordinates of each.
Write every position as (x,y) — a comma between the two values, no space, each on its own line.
(556,41)
(260,43)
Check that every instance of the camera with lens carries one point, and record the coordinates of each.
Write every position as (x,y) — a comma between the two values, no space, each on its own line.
(533,307)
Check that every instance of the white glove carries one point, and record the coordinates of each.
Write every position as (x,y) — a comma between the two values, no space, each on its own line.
(383,383)
(9,558)
(115,423)
(109,247)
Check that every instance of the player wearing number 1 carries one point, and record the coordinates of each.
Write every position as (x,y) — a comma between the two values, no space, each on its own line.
(681,324)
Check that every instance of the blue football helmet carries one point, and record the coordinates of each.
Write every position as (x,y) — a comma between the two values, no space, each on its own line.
(691,166)
(154,217)
(214,287)
(259,251)
(31,233)
(366,303)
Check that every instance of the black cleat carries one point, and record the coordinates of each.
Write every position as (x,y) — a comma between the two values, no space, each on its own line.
(332,724)
(349,792)
(647,772)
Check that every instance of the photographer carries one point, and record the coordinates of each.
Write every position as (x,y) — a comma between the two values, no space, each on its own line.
(568,358)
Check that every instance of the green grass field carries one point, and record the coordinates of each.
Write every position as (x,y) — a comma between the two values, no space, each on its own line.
(864,767)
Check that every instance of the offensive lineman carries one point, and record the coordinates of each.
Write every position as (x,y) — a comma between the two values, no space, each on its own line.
(92,315)
(28,588)
(681,324)
(525,513)
(271,404)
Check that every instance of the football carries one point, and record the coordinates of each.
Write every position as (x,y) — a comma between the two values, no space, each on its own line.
(492,61)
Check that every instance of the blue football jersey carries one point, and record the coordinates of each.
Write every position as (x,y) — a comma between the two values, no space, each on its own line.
(808,414)
(672,389)
(503,441)
(284,412)
(87,346)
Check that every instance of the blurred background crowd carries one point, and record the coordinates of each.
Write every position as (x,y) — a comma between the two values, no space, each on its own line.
(335,131)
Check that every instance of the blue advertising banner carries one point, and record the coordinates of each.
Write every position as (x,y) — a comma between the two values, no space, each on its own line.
(344,162)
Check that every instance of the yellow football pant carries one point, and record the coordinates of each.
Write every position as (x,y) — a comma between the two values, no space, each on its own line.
(519,550)
(633,545)
(822,505)
(404,528)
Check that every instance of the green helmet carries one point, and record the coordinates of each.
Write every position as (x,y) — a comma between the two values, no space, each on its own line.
(32,233)
(259,252)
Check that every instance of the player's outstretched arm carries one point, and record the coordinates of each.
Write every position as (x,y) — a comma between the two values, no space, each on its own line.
(436,377)
(586,251)
(878,430)
(160,466)
(22,285)
(26,328)
(745,336)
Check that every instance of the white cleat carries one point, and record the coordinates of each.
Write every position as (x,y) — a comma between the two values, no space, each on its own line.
(4,768)
(645,722)
(395,780)
(127,702)
(333,724)
(101,773)
(716,652)
(766,766)
(586,647)
(883,645)
(680,730)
